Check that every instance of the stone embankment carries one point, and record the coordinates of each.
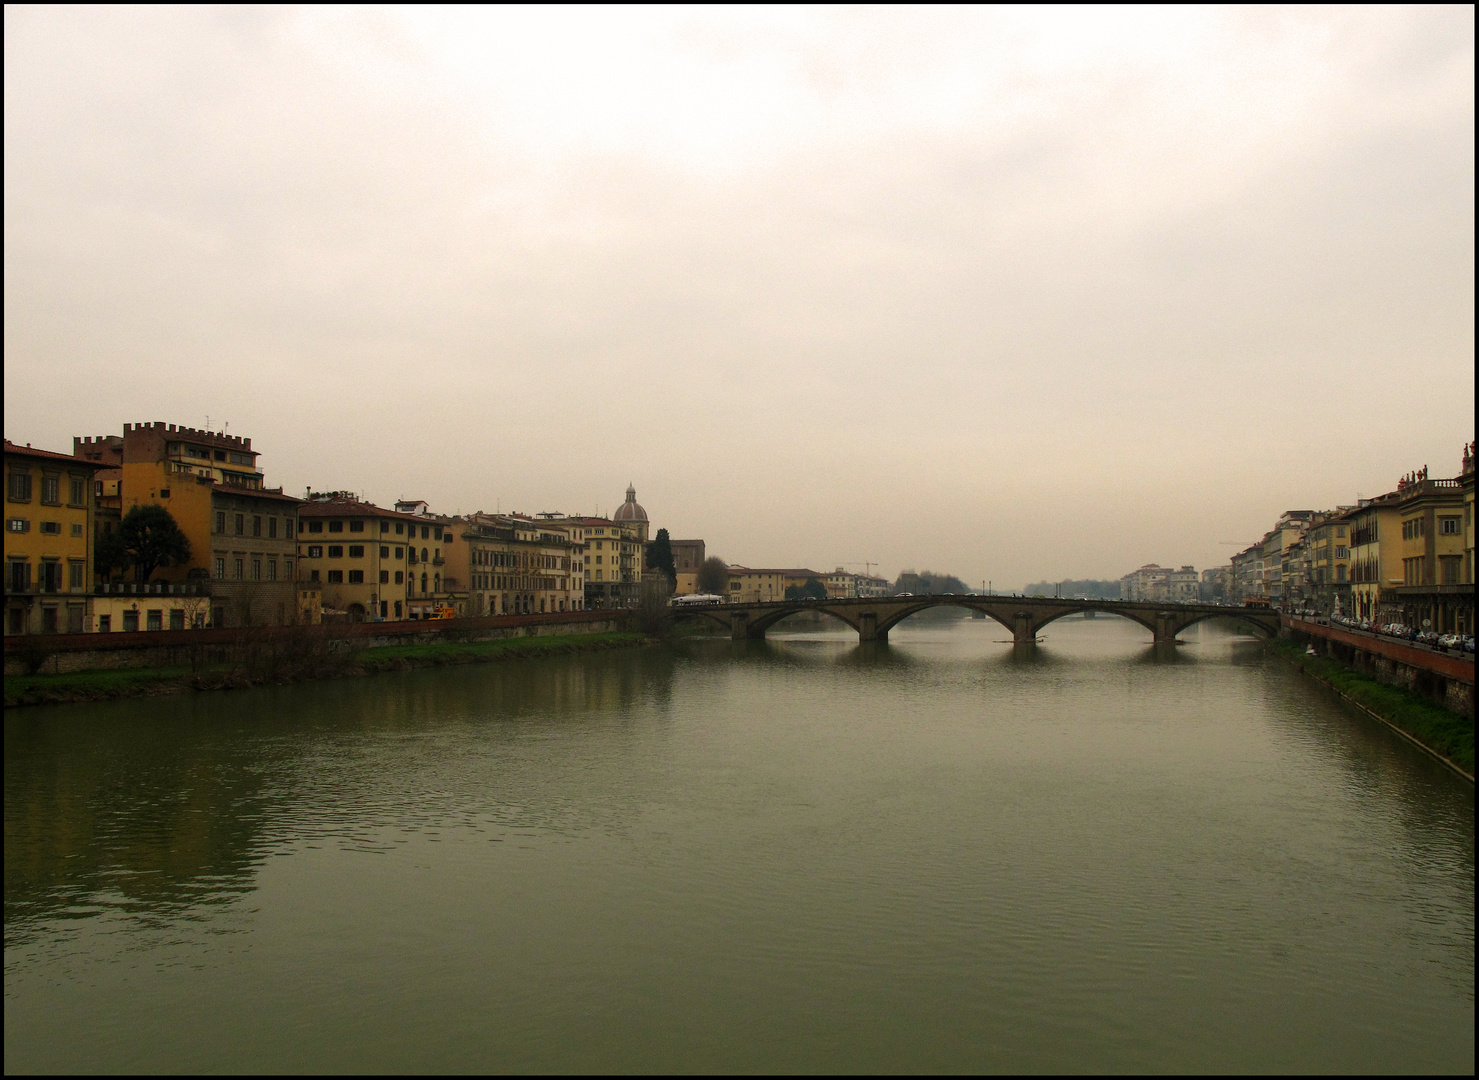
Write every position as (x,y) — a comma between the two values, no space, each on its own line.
(63,653)
(1444,678)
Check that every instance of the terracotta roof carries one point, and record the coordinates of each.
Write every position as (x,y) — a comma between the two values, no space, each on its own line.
(47,455)
(355,508)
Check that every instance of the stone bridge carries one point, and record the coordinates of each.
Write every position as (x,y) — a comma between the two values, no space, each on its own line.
(1024,616)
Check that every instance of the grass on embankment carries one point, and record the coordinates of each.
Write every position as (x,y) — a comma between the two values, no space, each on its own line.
(137,682)
(1445,733)
(435,654)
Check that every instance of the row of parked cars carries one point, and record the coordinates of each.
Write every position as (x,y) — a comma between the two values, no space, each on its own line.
(1450,642)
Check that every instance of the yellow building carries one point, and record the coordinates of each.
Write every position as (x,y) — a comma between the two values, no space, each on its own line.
(48,542)
(1330,562)
(369,562)
(1434,594)
(611,556)
(1375,557)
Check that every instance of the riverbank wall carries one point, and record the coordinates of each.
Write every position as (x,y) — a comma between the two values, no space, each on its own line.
(58,654)
(1443,678)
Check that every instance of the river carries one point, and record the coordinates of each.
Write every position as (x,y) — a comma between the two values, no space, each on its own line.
(800,854)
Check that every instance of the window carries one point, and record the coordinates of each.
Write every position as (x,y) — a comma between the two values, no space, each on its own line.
(51,489)
(315,526)
(385,577)
(287,569)
(400,526)
(257,525)
(1342,552)
(287,528)
(154,619)
(164,493)
(256,569)
(220,569)
(105,624)
(177,619)
(76,530)
(313,575)
(52,528)
(384,552)
(220,521)
(17,525)
(74,574)
(272,528)
(336,551)
(79,492)
(336,577)
(400,577)
(400,553)
(130,620)
(1448,526)
(336,526)
(423,554)
(1449,565)
(20,575)
(356,577)
(20,487)
(271,569)
(356,526)
(385,526)
(1340,573)
(237,568)
(356,551)
(315,551)
(240,524)
(238,458)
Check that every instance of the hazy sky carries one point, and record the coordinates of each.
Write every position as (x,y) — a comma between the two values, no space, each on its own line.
(1017,294)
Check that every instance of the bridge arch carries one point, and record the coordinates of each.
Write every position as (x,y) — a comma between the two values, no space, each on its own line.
(884,626)
(1133,616)
(770,618)
(1262,625)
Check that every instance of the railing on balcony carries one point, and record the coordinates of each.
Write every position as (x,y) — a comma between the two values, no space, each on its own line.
(154,588)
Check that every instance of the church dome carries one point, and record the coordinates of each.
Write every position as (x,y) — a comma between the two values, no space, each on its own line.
(631,510)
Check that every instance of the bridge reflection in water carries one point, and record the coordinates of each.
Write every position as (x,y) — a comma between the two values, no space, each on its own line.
(1025,617)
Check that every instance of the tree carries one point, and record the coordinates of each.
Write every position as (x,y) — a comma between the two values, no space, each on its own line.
(812,588)
(110,555)
(660,557)
(150,539)
(713,576)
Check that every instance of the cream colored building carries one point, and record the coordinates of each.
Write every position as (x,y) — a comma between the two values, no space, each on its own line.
(752,586)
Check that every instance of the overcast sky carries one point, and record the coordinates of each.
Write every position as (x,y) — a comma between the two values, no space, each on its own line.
(1016,294)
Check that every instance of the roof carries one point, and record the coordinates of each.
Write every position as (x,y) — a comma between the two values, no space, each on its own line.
(47,455)
(254,493)
(630,510)
(355,508)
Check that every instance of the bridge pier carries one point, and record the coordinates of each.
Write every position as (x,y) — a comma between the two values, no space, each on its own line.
(739,625)
(1166,628)
(1023,632)
(868,628)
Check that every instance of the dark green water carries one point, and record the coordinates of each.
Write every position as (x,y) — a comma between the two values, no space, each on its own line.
(795,856)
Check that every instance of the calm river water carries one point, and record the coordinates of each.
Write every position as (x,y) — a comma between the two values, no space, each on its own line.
(796,855)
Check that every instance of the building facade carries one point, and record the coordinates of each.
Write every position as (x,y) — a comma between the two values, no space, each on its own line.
(242,534)
(49,542)
(365,561)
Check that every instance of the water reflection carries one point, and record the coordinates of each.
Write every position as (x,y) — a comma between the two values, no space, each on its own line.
(159,807)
